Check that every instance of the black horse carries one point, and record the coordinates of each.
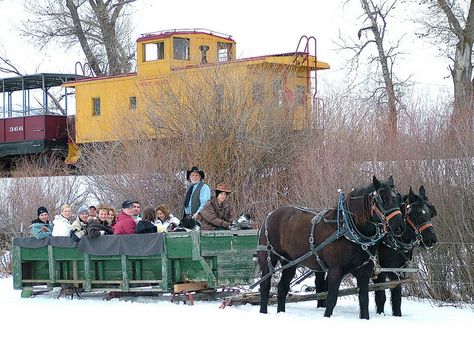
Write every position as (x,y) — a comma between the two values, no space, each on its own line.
(340,241)
(396,252)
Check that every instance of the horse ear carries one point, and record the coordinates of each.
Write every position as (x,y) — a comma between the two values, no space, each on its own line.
(411,195)
(376,183)
(390,180)
(422,192)
(434,213)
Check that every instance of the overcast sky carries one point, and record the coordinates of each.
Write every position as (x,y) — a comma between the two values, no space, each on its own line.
(259,27)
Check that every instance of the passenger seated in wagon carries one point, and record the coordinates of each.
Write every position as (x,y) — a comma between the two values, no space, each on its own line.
(217,212)
(41,227)
(125,223)
(62,222)
(165,219)
(100,225)
(146,224)
(79,226)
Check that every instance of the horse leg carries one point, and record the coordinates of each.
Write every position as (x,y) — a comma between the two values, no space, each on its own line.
(380,297)
(333,282)
(320,282)
(265,285)
(284,286)
(396,298)
(363,277)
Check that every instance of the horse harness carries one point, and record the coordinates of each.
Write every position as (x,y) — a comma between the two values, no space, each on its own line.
(348,230)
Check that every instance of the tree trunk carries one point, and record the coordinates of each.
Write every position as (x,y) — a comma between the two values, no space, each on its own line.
(462,75)
(107,29)
(391,133)
(91,59)
(461,119)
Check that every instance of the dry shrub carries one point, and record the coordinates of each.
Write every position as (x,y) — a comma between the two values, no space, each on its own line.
(245,138)
(427,152)
(211,120)
(134,170)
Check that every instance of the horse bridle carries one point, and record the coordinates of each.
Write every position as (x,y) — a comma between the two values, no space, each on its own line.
(384,215)
(417,229)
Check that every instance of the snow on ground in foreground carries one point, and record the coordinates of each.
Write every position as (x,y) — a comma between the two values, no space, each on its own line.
(46,325)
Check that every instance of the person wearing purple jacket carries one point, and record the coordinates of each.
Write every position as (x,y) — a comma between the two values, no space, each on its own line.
(125,223)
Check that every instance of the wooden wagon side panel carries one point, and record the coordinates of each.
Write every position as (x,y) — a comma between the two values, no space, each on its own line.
(233,254)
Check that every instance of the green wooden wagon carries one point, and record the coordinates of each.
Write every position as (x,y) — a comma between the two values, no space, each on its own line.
(135,263)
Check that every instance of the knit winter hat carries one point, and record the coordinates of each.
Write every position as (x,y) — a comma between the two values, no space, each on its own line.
(41,210)
(83,209)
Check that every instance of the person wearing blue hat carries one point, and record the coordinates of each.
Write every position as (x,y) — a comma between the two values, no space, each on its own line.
(79,226)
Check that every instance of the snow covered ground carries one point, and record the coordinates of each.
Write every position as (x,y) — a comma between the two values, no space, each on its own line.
(46,325)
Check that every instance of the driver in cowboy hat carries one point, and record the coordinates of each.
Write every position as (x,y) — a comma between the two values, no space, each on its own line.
(217,213)
(197,195)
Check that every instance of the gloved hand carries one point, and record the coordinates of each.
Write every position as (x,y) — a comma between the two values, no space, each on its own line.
(73,236)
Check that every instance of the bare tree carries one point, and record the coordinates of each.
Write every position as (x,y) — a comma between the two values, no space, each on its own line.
(7,67)
(372,35)
(450,25)
(102,28)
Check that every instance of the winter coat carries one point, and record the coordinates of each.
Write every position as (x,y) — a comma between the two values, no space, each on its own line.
(169,224)
(62,226)
(215,216)
(95,226)
(41,230)
(78,228)
(145,227)
(124,224)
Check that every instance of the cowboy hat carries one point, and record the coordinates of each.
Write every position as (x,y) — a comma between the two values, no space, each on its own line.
(221,187)
(195,169)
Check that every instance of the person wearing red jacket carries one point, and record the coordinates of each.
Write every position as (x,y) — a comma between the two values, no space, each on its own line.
(125,223)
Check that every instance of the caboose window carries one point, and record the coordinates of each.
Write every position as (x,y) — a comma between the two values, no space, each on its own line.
(96,106)
(154,51)
(204,50)
(133,102)
(181,48)
(224,51)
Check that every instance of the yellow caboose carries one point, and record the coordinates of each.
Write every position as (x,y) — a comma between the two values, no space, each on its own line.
(178,61)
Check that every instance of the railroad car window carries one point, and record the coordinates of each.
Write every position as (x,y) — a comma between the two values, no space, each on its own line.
(133,102)
(224,51)
(203,50)
(181,48)
(154,51)
(96,106)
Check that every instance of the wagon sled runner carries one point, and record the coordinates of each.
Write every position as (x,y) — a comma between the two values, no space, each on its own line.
(176,266)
